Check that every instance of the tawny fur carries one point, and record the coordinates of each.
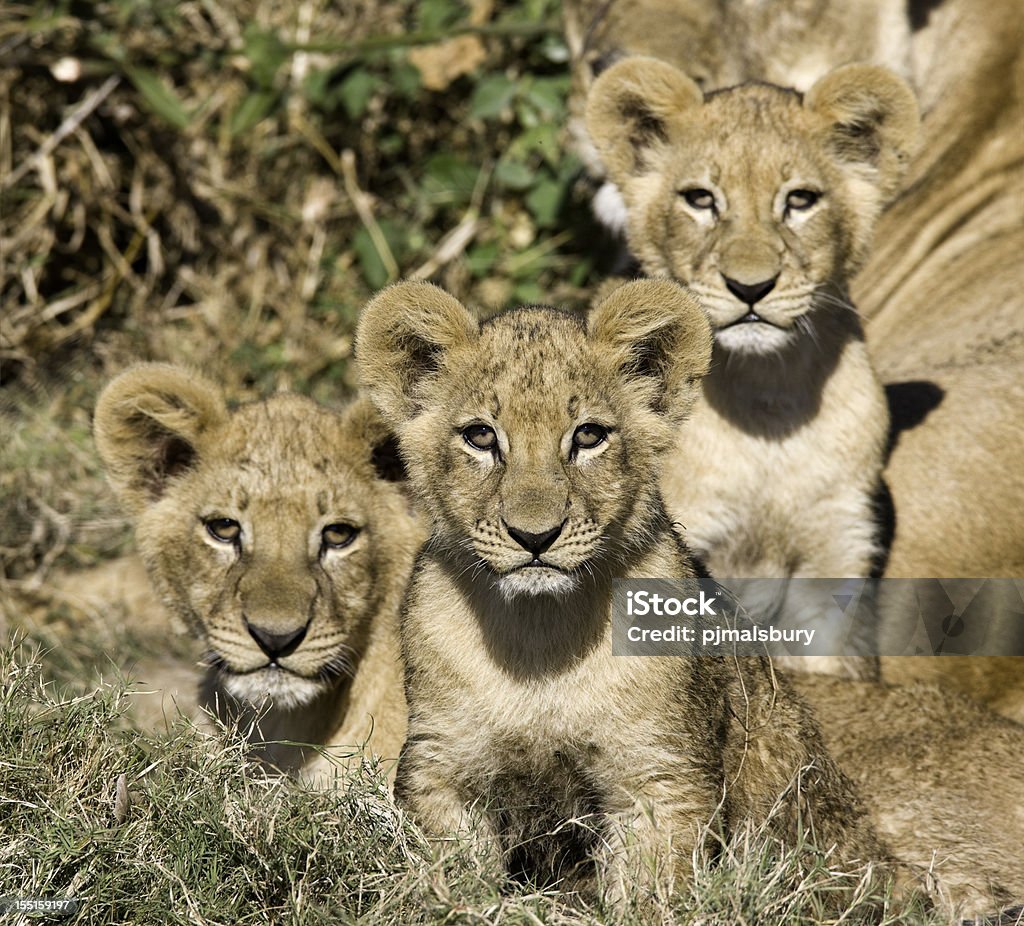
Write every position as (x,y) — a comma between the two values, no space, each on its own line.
(942,287)
(944,783)
(944,294)
(722,44)
(521,719)
(778,470)
(283,469)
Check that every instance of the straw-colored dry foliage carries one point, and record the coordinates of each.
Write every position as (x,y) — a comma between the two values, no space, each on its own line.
(223,183)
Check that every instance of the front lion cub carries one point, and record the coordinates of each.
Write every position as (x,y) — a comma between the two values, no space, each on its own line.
(534,442)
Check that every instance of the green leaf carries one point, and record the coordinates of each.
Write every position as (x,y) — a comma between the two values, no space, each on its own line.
(545,202)
(434,15)
(548,95)
(528,293)
(481,258)
(450,179)
(514,175)
(405,78)
(266,54)
(158,97)
(580,271)
(491,97)
(542,139)
(374,272)
(253,109)
(356,90)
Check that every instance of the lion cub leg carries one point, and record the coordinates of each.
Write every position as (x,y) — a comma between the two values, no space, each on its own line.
(645,849)
(428,788)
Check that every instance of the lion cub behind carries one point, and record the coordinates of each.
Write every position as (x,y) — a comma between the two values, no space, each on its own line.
(534,442)
(763,200)
(274,533)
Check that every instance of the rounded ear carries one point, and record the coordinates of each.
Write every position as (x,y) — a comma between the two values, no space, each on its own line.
(364,422)
(657,333)
(872,118)
(632,107)
(148,424)
(405,335)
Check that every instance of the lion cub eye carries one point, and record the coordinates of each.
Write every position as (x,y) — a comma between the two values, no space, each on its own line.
(480,436)
(699,198)
(589,435)
(225,530)
(801,199)
(336,536)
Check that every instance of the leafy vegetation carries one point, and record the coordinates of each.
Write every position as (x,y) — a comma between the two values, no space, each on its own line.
(224,183)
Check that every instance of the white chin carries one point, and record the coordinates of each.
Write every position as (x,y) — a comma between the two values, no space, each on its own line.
(536,580)
(753,338)
(283,690)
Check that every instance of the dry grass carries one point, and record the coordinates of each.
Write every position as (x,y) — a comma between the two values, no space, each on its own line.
(178,828)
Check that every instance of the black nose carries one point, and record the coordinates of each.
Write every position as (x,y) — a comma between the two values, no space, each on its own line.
(535,543)
(749,292)
(276,645)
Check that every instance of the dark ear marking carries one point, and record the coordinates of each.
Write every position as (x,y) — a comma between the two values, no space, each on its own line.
(174,456)
(645,128)
(857,140)
(387,460)
(870,116)
(424,355)
(406,334)
(634,108)
(149,424)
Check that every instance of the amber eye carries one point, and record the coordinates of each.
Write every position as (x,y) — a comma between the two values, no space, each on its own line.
(699,198)
(225,530)
(801,199)
(480,436)
(589,435)
(336,536)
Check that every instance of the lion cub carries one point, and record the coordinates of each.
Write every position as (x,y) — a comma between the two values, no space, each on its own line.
(534,443)
(763,201)
(274,533)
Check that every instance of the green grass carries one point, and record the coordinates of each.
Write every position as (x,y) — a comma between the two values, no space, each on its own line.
(206,837)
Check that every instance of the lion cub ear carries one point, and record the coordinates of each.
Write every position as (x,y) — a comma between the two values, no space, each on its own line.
(655,333)
(632,108)
(405,336)
(364,422)
(872,118)
(148,424)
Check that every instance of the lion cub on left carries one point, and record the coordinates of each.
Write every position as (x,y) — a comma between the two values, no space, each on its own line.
(275,532)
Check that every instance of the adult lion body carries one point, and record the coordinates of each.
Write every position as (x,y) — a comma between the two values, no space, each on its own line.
(942,779)
(271,534)
(533,441)
(943,292)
